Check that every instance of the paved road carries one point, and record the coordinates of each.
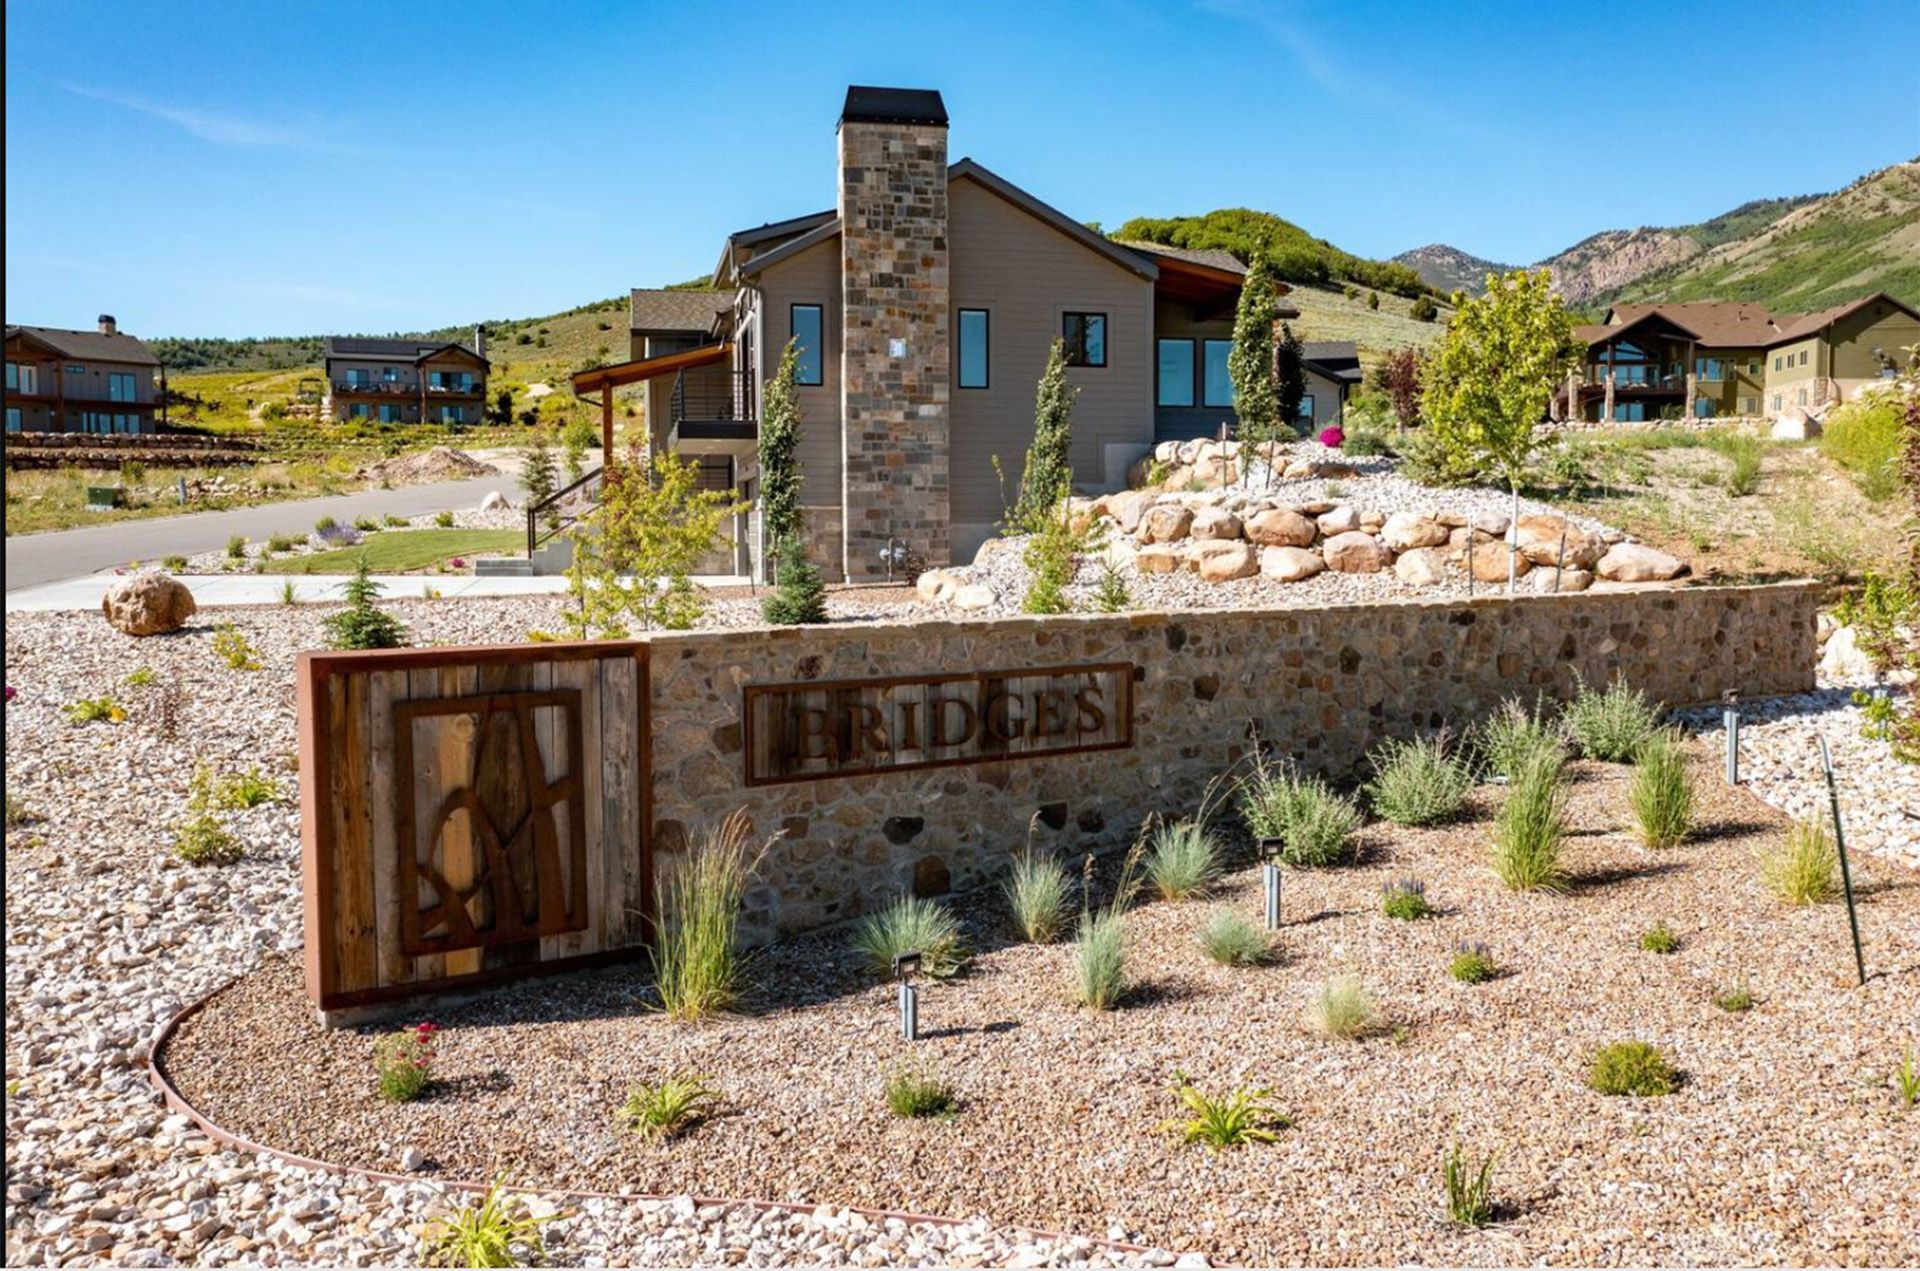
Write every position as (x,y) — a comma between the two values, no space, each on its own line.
(33,559)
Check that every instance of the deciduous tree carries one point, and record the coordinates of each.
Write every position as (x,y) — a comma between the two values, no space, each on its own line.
(1250,362)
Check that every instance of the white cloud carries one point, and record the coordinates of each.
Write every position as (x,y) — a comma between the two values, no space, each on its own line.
(234,132)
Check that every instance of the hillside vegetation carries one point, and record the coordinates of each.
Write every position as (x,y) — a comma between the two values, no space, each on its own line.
(1297,256)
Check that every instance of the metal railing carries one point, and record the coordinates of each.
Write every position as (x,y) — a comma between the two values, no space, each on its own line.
(730,400)
(561,510)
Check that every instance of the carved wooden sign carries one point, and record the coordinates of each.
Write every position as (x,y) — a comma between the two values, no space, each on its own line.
(812,730)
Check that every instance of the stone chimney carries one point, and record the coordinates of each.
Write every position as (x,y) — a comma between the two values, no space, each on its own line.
(894,351)
(107,324)
(480,341)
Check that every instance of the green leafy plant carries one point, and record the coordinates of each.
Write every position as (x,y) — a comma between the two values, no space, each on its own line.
(202,840)
(403,1062)
(443,519)
(1036,889)
(1421,782)
(1744,455)
(95,710)
(664,1110)
(363,624)
(1047,477)
(1405,899)
(696,960)
(1611,724)
(1632,1067)
(1052,557)
(914,1090)
(1803,868)
(1468,1187)
(1472,963)
(912,924)
(140,677)
(1315,825)
(233,648)
(1232,939)
(247,789)
(496,1232)
(1735,998)
(1659,938)
(1906,1079)
(237,547)
(1662,792)
(18,813)
(1531,825)
(1183,861)
(173,564)
(1342,1008)
(1242,1116)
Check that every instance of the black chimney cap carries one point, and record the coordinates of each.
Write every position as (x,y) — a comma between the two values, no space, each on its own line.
(893,106)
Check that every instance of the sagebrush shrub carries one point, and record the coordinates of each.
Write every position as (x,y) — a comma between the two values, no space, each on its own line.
(1662,792)
(1315,825)
(1531,825)
(1421,782)
(1610,724)
(1635,1068)
(1803,868)
(662,1111)
(1183,861)
(912,924)
(1232,939)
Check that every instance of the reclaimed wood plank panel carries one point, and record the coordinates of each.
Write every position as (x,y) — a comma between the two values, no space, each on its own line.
(353,917)
(424,684)
(383,687)
(618,810)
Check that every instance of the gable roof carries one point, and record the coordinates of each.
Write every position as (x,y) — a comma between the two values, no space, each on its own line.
(1725,324)
(658,309)
(1335,359)
(1211,257)
(95,346)
(383,349)
(820,233)
(1800,327)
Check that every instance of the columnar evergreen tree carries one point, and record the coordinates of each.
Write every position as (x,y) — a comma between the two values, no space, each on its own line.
(1289,374)
(779,440)
(1489,384)
(539,475)
(1047,478)
(1250,360)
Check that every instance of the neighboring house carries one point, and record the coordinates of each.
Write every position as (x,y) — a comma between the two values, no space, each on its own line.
(406,381)
(99,381)
(1333,368)
(1709,359)
(923,306)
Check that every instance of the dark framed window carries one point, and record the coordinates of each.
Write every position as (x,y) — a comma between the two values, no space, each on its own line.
(1086,337)
(809,328)
(1803,357)
(973,360)
(1306,410)
(1216,383)
(1174,375)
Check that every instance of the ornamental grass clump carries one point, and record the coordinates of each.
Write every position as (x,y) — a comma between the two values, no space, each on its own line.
(1420,782)
(1469,1188)
(1342,1008)
(403,1062)
(912,924)
(696,962)
(1612,723)
(1803,868)
(1531,825)
(1736,998)
(1314,825)
(1659,938)
(1184,860)
(1472,963)
(660,1112)
(913,1091)
(1906,1079)
(498,1231)
(1100,944)
(1246,1115)
(1233,939)
(1513,734)
(1662,792)
(1036,890)
(1405,899)
(1632,1068)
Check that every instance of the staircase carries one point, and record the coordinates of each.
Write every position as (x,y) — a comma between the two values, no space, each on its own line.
(549,550)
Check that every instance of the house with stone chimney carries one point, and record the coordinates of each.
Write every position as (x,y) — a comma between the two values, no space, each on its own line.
(396,381)
(923,305)
(98,381)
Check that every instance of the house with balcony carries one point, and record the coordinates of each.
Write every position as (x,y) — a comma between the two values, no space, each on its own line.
(394,381)
(1714,359)
(98,381)
(923,305)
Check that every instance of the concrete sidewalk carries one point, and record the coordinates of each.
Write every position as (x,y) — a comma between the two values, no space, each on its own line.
(214,590)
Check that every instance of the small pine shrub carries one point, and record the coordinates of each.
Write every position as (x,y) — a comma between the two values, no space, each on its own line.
(696,964)
(1531,825)
(202,840)
(234,649)
(1472,963)
(1405,899)
(1232,939)
(1469,1188)
(496,1232)
(1418,782)
(1635,1068)
(1183,861)
(1802,869)
(96,710)
(1111,595)
(1246,1115)
(1611,724)
(912,924)
(1342,1008)
(800,596)
(443,519)
(1662,792)
(363,624)
(1314,824)
(662,1111)
(1512,734)
(237,547)
(1036,889)
(1659,938)
(403,1063)
(912,1090)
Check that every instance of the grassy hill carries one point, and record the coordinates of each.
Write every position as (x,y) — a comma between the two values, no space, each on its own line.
(1297,256)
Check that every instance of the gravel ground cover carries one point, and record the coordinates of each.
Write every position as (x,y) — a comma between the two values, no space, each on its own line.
(1784,1142)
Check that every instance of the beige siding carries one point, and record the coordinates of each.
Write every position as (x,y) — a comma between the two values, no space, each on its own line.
(1880,326)
(1322,400)
(1027,274)
(812,277)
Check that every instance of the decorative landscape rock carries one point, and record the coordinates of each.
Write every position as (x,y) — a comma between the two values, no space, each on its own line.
(148,603)
(1355,553)
(1280,527)
(1165,523)
(1212,523)
(1489,562)
(1569,580)
(1638,563)
(1160,558)
(1290,564)
(1219,562)
(1406,530)
(936,585)
(495,502)
(1340,520)
(1421,567)
(973,596)
(1538,538)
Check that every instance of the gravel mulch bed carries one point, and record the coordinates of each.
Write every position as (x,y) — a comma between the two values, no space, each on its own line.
(1784,1144)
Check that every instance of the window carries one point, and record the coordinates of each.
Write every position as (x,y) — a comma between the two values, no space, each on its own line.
(451,381)
(1086,337)
(453,414)
(13,419)
(1775,402)
(359,410)
(1709,368)
(1802,398)
(1306,409)
(23,377)
(358,377)
(389,413)
(973,348)
(1217,386)
(1703,408)
(1803,357)
(1753,366)
(389,374)
(1776,361)
(1629,412)
(1173,375)
(808,331)
(120,386)
(1746,406)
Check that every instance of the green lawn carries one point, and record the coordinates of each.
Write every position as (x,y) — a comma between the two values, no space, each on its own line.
(402,551)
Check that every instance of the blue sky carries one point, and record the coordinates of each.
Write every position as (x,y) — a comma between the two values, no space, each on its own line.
(249,169)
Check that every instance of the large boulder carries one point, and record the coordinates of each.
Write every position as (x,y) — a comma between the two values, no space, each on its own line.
(1220,562)
(1420,567)
(1638,563)
(1128,507)
(1165,523)
(1844,659)
(1290,564)
(148,603)
(1340,520)
(1213,523)
(1538,538)
(1278,527)
(495,502)
(1355,553)
(1216,469)
(1404,531)
(1160,558)
(936,586)
(1796,424)
(973,596)
(1490,562)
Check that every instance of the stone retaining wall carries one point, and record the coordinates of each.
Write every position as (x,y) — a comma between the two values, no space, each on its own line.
(1323,684)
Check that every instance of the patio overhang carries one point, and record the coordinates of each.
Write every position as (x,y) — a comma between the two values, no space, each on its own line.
(1210,290)
(604,379)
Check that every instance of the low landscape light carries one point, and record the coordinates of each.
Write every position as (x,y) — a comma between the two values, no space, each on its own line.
(905,967)
(1270,878)
(1730,718)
